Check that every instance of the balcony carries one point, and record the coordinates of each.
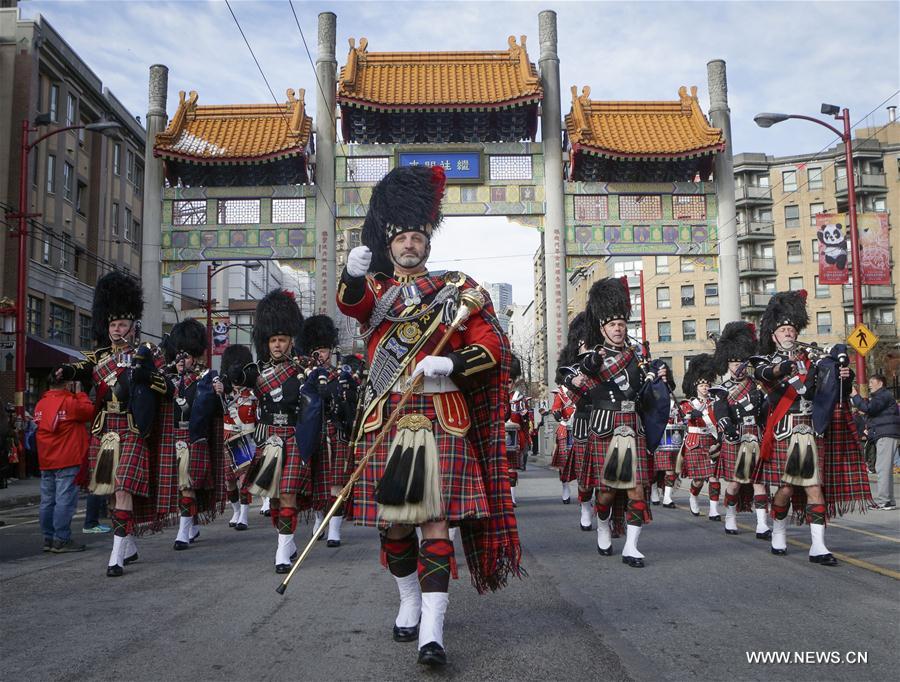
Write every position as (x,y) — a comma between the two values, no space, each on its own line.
(756,266)
(754,302)
(756,230)
(752,194)
(865,183)
(872,294)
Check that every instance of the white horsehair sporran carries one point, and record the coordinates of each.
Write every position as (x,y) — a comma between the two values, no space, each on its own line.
(103,478)
(409,491)
(620,469)
(802,467)
(183,457)
(747,457)
(265,479)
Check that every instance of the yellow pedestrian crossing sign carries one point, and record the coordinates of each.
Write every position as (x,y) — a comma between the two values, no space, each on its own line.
(862,339)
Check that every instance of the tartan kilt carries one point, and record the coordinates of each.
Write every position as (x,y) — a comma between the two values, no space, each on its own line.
(847,486)
(728,453)
(664,459)
(696,464)
(770,472)
(591,475)
(572,470)
(133,472)
(560,453)
(296,477)
(331,468)
(463,488)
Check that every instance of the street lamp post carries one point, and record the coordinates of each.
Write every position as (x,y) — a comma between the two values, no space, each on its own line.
(22,216)
(767,120)
(212,269)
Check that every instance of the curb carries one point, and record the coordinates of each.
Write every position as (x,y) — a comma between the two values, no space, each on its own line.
(23,501)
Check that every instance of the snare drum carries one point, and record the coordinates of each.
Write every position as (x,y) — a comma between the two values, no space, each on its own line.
(672,438)
(241,450)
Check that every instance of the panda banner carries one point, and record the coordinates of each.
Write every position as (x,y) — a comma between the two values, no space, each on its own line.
(834,244)
(220,333)
(874,248)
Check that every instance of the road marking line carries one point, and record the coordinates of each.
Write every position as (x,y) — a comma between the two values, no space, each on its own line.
(865,532)
(24,523)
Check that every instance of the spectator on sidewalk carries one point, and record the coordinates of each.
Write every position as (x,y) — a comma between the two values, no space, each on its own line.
(94,508)
(883,426)
(61,416)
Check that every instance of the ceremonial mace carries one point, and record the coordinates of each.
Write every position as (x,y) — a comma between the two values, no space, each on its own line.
(471,301)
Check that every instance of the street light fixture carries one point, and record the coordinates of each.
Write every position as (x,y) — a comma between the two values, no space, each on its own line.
(212,269)
(766,120)
(22,215)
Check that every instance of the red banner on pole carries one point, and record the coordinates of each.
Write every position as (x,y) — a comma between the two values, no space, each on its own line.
(874,248)
(832,231)
(220,332)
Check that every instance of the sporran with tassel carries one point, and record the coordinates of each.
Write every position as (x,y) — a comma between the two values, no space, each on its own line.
(265,473)
(620,469)
(747,457)
(183,457)
(409,491)
(103,478)
(802,461)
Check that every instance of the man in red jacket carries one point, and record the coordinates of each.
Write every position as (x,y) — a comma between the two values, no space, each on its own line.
(61,416)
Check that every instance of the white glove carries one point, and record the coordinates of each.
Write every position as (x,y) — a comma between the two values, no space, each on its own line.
(434,366)
(358,261)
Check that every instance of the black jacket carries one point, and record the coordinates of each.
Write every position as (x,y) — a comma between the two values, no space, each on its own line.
(882,414)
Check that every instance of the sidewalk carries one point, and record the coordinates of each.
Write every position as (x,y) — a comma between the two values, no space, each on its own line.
(21,493)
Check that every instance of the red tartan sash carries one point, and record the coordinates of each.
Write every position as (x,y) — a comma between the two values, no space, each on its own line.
(781,409)
(282,371)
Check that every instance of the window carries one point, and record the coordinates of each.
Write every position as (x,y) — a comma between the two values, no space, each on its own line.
(794,252)
(662,265)
(194,212)
(795,283)
(822,290)
(71,107)
(689,207)
(54,102)
(35,314)
(789,180)
(686,264)
(687,295)
(129,165)
(711,294)
(117,159)
(353,238)
(139,177)
(35,170)
(823,322)
(792,216)
(81,198)
(62,321)
(590,208)
(126,225)
(640,207)
(884,316)
(664,331)
(840,172)
(45,250)
(81,133)
(687,361)
(115,219)
(814,178)
(85,331)
(814,210)
(68,180)
(762,180)
(136,232)
(712,327)
(627,268)
(288,210)
(769,286)
(689,330)
(667,359)
(663,297)
(510,167)
(238,211)
(367,169)
(51,174)
(64,252)
(879,204)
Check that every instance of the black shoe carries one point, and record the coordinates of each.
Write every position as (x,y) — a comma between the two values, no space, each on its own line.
(410,634)
(569,501)
(633,561)
(195,537)
(432,654)
(605,552)
(48,544)
(824,559)
(717,517)
(131,559)
(60,547)
(240,526)
(267,512)
(293,557)
(332,543)
(779,552)
(695,513)
(586,528)
(764,536)
(231,524)
(282,568)
(114,571)
(728,531)
(179,545)
(670,505)
(655,504)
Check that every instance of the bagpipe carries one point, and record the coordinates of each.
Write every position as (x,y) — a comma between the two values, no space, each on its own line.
(654,393)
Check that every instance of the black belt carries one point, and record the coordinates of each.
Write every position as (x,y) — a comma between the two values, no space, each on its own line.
(281,418)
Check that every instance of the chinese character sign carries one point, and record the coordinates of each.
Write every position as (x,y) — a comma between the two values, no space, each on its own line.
(874,248)
(833,233)
(457,165)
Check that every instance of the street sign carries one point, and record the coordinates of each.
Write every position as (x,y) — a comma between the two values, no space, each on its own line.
(862,339)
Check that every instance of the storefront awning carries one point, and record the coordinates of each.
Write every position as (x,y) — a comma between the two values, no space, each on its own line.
(40,354)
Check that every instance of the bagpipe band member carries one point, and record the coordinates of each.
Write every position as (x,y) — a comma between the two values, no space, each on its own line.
(124,458)
(445,464)
(515,427)
(701,443)
(562,408)
(667,452)
(191,431)
(626,398)
(803,392)
(234,385)
(738,412)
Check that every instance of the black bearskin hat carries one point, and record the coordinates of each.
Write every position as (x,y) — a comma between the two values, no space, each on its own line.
(318,332)
(406,199)
(702,368)
(737,342)
(276,314)
(608,300)
(515,368)
(785,308)
(569,354)
(235,355)
(188,336)
(117,296)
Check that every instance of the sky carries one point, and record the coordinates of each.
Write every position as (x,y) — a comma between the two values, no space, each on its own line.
(780,56)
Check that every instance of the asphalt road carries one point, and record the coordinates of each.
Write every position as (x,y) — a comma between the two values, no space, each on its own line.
(702,603)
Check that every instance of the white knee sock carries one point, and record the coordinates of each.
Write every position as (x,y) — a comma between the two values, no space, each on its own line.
(604,534)
(566,493)
(431,628)
(117,556)
(410,601)
(587,513)
(185,523)
(320,516)
(195,528)
(762,523)
(817,534)
(265,505)
(130,548)
(654,493)
(334,527)
(235,513)
(512,494)
(779,533)
(713,507)
(667,495)
(286,547)
(632,533)
(731,517)
(453,534)
(242,513)
(694,503)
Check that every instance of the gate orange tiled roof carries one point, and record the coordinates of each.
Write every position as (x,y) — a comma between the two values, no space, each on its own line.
(438,80)
(235,133)
(647,130)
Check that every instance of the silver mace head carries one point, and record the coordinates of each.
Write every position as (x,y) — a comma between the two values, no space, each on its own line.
(471,301)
